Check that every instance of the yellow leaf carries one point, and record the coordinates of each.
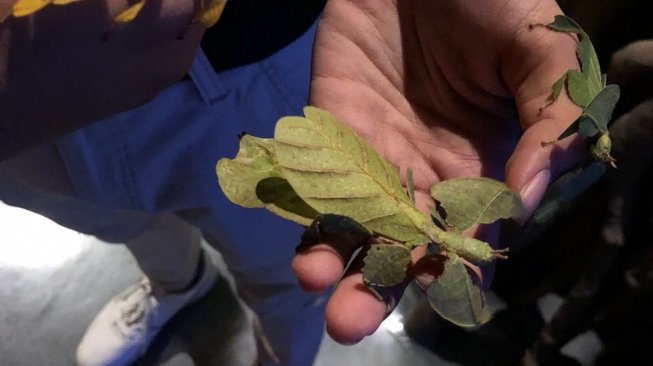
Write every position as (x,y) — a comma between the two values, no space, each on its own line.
(210,14)
(26,7)
(64,2)
(130,13)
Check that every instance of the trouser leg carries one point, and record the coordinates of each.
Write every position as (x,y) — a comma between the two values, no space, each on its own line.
(166,248)
(257,249)
(167,251)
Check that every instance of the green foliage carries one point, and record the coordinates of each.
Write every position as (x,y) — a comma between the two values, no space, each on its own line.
(319,173)
(587,89)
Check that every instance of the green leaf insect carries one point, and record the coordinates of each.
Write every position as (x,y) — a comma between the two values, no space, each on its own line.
(586,88)
(465,202)
(319,173)
(475,251)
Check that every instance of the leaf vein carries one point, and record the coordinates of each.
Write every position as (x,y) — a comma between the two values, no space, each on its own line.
(491,201)
(364,169)
(322,171)
(345,196)
(307,146)
(372,219)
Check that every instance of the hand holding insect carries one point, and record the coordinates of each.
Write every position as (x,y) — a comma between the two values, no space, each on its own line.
(317,170)
(450,89)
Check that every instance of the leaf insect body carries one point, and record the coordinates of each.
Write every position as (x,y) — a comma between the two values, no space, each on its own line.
(473,250)
(586,88)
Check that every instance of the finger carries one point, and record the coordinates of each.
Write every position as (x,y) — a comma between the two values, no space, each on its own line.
(532,166)
(356,310)
(353,311)
(323,254)
(320,266)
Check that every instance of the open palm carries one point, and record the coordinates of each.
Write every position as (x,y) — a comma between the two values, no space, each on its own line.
(448,89)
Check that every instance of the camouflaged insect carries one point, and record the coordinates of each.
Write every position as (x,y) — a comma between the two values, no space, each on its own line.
(586,88)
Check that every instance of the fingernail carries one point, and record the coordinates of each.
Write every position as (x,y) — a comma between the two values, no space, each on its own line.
(532,193)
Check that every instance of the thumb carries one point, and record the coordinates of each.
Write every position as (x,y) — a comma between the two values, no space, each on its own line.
(540,58)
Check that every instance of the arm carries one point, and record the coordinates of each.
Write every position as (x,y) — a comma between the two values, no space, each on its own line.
(56,74)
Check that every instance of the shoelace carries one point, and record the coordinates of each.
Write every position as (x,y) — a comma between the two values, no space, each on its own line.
(134,307)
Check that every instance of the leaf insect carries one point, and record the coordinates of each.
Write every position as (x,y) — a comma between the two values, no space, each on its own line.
(475,251)
(464,202)
(332,181)
(586,88)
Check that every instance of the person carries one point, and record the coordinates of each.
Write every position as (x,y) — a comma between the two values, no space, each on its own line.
(445,88)
(159,159)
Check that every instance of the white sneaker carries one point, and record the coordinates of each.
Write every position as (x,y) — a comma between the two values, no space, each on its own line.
(125,327)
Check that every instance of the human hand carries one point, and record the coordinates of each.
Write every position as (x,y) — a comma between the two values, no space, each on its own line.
(448,89)
(56,74)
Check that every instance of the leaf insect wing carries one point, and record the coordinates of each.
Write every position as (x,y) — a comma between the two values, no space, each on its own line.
(602,106)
